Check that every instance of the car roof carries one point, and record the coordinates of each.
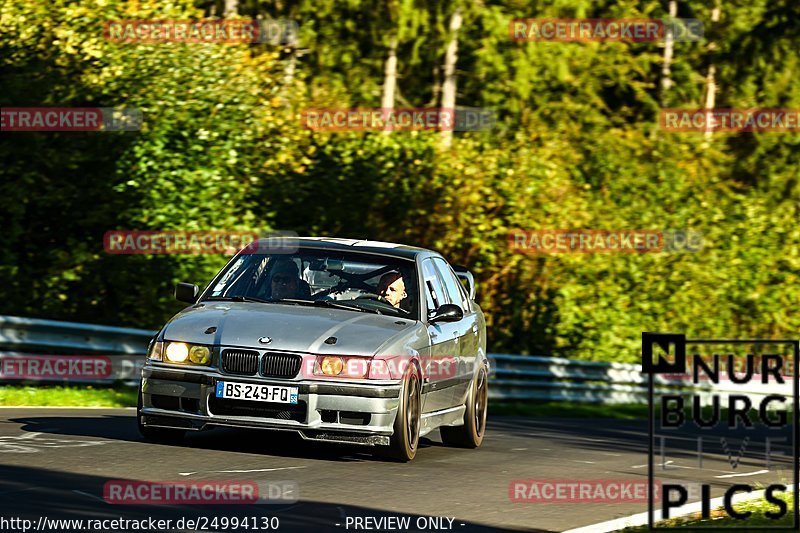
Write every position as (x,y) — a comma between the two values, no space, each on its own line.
(355,245)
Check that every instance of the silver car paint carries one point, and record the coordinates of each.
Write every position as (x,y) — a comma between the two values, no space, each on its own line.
(292,328)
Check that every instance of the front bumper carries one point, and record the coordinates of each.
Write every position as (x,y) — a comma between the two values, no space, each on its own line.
(338,411)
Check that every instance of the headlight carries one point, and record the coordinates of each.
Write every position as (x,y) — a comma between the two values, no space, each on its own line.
(200,355)
(177,352)
(346,367)
(156,351)
(194,354)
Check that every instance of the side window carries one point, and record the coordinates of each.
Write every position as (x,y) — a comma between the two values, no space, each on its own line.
(455,291)
(434,292)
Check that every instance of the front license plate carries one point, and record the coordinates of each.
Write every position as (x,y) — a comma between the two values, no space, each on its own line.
(259,393)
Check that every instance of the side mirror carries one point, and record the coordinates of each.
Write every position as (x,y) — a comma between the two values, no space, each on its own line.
(186,292)
(446,313)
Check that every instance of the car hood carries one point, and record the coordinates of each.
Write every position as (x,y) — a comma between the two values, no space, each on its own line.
(290,327)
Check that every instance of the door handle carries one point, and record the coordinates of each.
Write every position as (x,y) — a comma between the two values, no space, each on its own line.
(475,328)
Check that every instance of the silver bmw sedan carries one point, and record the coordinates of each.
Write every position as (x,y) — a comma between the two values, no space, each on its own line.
(358,342)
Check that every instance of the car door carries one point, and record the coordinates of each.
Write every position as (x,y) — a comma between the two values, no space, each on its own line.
(443,343)
(465,331)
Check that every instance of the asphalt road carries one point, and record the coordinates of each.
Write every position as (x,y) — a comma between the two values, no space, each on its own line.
(55,462)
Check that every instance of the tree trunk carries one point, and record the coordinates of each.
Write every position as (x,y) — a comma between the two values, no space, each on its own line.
(389,78)
(711,82)
(437,86)
(669,41)
(449,83)
(231,8)
(289,69)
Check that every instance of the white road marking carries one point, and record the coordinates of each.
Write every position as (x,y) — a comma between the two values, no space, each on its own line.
(239,471)
(727,472)
(586,462)
(670,463)
(89,495)
(645,466)
(32,443)
(744,474)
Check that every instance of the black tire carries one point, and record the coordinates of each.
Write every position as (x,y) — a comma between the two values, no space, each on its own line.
(470,434)
(405,439)
(156,434)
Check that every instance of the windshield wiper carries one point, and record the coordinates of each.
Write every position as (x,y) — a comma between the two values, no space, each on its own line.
(295,301)
(238,299)
(327,303)
(339,305)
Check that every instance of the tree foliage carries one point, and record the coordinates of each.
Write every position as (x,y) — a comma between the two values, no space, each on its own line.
(576,146)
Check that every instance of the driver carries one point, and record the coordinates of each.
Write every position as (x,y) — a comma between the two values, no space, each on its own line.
(285,280)
(392,288)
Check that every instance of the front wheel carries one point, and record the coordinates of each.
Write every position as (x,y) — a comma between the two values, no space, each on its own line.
(470,434)
(156,434)
(405,439)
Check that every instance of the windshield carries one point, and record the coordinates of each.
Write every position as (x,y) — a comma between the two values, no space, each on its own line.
(325,278)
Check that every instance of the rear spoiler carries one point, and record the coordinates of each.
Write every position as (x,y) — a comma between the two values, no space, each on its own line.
(467,279)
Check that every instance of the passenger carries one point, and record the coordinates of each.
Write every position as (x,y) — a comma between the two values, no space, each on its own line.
(392,288)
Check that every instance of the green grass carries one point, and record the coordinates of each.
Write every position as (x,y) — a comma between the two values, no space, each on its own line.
(121,396)
(566,409)
(67,396)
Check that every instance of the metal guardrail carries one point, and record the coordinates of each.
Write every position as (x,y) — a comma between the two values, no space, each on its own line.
(33,335)
(528,377)
(120,351)
(513,377)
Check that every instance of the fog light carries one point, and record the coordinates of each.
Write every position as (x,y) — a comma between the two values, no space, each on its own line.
(200,355)
(332,365)
(177,352)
